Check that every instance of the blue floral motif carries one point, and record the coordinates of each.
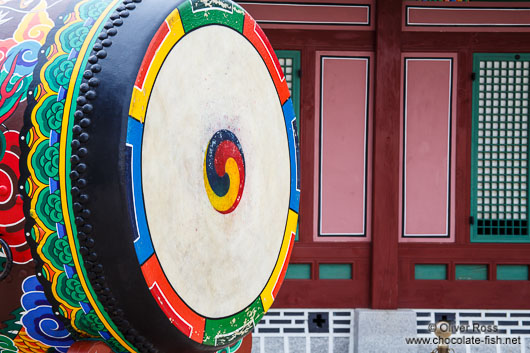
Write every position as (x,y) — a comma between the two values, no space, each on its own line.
(39,320)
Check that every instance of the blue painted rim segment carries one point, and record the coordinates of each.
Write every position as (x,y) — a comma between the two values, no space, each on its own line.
(289,116)
(142,240)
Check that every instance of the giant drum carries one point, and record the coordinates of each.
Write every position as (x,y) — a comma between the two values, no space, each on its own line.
(148,177)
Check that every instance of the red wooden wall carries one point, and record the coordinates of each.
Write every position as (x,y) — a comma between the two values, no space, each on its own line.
(383,268)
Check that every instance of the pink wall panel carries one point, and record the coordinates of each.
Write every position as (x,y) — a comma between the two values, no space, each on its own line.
(463,17)
(427,130)
(319,14)
(344,114)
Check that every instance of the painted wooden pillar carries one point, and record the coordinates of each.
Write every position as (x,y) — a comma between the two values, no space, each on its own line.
(385,216)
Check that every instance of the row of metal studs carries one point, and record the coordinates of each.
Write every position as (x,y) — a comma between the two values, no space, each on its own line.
(81,200)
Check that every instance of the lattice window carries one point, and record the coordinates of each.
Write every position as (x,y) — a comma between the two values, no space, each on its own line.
(287,67)
(500,148)
(290,63)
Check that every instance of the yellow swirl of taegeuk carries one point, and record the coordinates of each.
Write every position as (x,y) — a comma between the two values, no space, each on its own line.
(223,203)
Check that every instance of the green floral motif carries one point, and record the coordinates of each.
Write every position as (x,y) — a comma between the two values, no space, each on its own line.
(36,161)
(59,72)
(14,325)
(71,289)
(50,115)
(58,251)
(47,157)
(49,208)
(74,36)
(50,161)
(7,345)
(90,323)
(62,250)
(53,207)
(92,10)
(54,116)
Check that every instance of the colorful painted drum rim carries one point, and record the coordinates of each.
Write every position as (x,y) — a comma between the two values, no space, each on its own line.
(68,229)
(189,16)
(45,140)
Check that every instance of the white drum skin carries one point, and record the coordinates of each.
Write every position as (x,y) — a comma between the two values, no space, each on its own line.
(217,263)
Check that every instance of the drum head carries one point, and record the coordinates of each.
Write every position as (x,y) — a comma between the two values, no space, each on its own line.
(176,188)
(230,164)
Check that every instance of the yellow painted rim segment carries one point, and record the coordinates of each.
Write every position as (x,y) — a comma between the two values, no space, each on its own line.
(142,90)
(267,296)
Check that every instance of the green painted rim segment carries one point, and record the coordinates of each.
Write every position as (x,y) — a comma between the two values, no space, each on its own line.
(512,272)
(298,271)
(335,271)
(223,331)
(430,272)
(471,272)
(494,225)
(195,14)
